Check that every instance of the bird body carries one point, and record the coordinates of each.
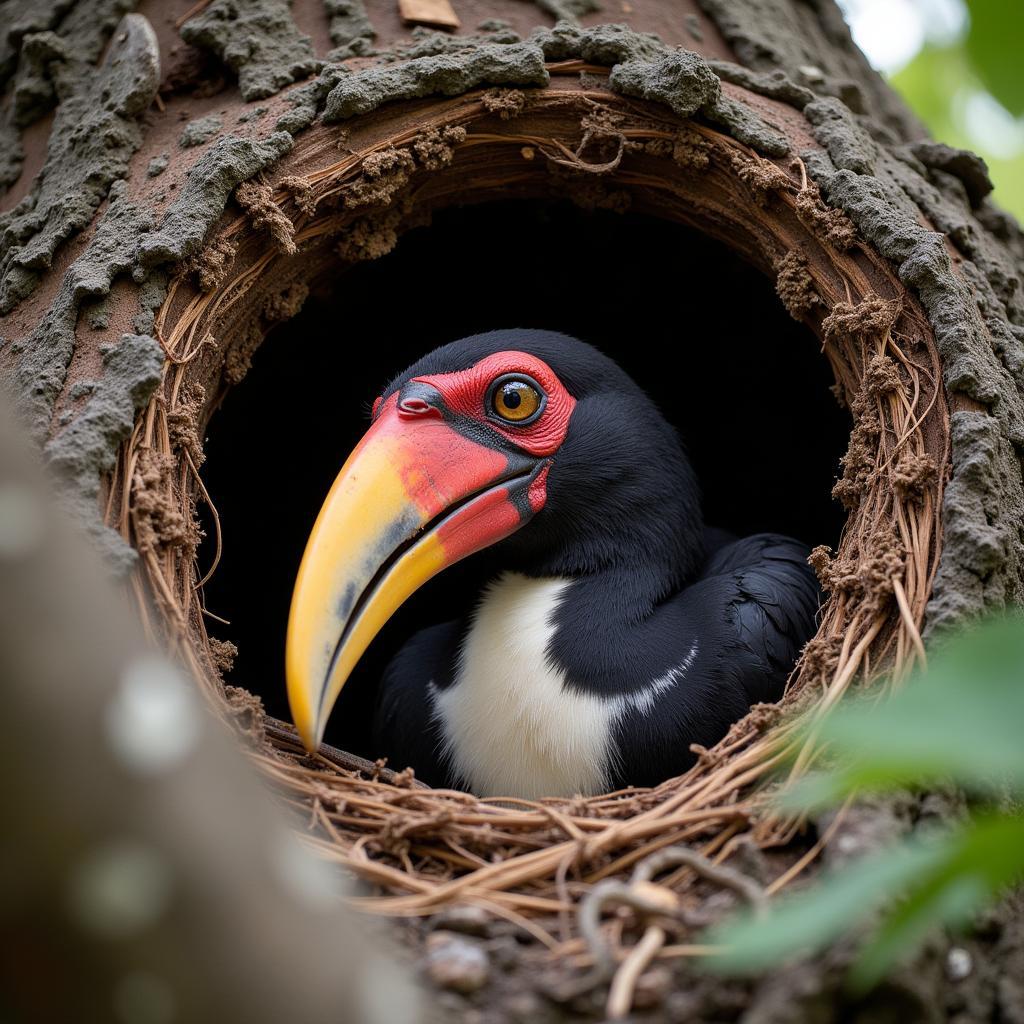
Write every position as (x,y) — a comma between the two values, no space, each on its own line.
(621,631)
(504,730)
(507,700)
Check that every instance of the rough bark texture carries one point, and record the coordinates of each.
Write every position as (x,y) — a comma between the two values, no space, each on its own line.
(123,137)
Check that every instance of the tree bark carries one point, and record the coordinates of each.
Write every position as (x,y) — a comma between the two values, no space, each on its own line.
(132,131)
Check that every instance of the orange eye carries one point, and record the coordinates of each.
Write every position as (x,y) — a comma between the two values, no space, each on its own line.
(517,399)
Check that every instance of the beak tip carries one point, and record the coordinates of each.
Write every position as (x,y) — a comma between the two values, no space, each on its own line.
(307,725)
(310,736)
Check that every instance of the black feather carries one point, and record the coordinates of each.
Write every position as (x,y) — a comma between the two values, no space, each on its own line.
(654,590)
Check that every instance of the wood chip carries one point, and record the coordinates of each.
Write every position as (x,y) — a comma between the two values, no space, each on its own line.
(439,13)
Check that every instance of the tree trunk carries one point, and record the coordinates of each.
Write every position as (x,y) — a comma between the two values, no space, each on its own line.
(179,174)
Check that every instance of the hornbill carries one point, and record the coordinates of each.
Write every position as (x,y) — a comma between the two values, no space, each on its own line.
(620,632)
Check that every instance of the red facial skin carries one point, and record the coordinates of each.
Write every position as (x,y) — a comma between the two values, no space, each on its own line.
(492,516)
(437,465)
(466,392)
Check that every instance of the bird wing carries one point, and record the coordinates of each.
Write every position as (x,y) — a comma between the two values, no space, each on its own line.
(773,597)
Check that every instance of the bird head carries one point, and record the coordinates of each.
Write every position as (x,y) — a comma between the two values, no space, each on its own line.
(528,439)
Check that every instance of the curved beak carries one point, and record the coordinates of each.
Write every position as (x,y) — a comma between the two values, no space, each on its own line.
(415,496)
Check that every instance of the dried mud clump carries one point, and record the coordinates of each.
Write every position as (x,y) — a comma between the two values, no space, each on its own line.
(370,237)
(822,653)
(858,464)
(183,423)
(872,316)
(762,177)
(687,149)
(860,461)
(200,131)
(830,225)
(259,41)
(435,149)
(867,580)
(238,360)
(210,265)
(912,475)
(881,376)
(384,174)
(302,192)
(506,103)
(223,654)
(794,285)
(257,200)
(286,303)
(246,709)
(158,521)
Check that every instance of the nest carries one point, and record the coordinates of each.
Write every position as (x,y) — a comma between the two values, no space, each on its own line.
(535,863)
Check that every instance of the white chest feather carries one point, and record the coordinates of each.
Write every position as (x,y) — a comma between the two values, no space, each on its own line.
(513,724)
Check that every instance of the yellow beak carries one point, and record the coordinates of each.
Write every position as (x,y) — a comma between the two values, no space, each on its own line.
(414,497)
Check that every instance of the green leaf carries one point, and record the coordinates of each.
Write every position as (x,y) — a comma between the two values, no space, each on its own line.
(805,923)
(959,721)
(912,922)
(995,42)
(942,879)
(982,859)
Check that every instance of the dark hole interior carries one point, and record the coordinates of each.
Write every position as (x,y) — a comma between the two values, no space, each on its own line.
(702,331)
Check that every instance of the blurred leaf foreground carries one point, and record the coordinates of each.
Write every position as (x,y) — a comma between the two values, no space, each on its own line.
(958,724)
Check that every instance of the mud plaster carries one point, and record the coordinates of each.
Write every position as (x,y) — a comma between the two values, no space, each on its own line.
(46,353)
(350,28)
(226,164)
(640,65)
(95,132)
(41,43)
(257,39)
(87,448)
(157,165)
(978,319)
(884,178)
(446,75)
(200,131)
(124,243)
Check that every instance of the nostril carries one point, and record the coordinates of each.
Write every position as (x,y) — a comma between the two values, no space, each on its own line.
(415,407)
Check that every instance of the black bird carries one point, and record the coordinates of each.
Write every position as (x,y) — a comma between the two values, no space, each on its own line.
(622,629)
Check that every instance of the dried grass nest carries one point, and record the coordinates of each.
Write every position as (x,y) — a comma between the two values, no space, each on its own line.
(536,863)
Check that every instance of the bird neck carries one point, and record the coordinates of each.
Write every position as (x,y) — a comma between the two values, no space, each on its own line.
(636,561)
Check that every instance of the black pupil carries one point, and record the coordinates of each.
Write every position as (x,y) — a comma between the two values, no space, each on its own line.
(512,396)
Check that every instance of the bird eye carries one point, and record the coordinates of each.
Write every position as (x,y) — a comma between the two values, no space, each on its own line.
(517,399)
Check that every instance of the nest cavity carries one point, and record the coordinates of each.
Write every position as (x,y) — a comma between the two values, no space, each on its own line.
(347,197)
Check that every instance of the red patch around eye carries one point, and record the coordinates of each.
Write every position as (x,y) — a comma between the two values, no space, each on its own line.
(376,405)
(466,392)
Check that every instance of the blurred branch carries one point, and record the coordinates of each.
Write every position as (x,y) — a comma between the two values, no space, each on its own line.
(146,874)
